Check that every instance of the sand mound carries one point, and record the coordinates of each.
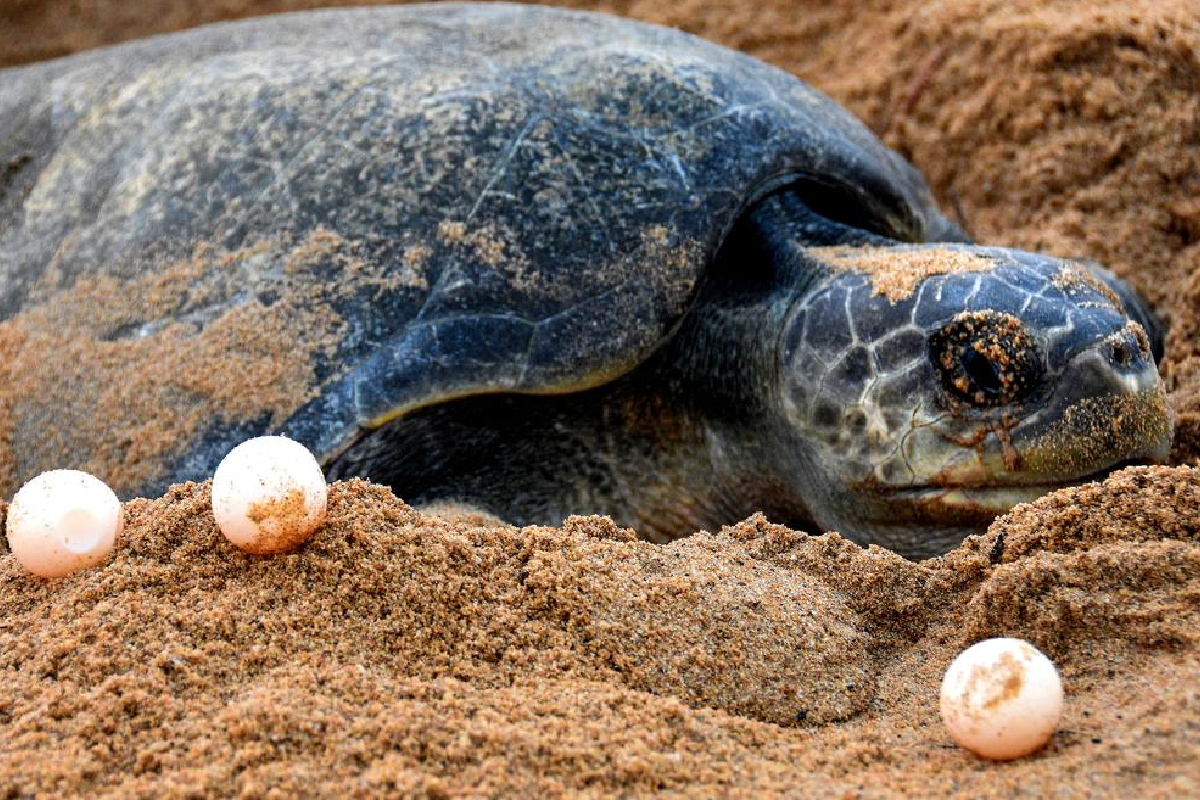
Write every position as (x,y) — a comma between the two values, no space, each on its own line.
(397,650)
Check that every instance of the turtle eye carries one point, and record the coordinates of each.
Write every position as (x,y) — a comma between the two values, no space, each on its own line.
(985,359)
(981,372)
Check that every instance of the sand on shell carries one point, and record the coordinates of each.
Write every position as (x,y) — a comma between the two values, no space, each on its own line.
(401,652)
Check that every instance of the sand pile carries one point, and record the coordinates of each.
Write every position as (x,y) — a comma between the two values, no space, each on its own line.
(398,651)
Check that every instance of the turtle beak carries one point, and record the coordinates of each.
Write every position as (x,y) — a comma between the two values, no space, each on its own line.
(1112,408)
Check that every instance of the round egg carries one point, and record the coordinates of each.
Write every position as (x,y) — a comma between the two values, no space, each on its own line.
(269,495)
(62,521)
(1001,699)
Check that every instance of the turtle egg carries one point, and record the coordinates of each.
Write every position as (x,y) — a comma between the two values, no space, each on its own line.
(1001,699)
(62,521)
(268,495)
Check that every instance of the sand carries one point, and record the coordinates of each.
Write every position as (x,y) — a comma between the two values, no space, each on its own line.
(401,652)
(397,651)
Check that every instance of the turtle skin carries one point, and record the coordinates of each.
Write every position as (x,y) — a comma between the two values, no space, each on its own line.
(374,228)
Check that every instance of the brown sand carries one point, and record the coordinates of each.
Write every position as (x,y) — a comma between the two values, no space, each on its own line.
(401,652)
(398,651)
(896,275)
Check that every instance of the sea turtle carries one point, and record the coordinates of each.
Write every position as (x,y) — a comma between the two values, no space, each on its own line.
(539,262)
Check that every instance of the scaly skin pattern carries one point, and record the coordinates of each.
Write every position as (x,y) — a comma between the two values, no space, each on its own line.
(882,388)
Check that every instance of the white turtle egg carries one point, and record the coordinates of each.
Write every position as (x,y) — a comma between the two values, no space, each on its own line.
(269,495)
(63,521)
(1001,699)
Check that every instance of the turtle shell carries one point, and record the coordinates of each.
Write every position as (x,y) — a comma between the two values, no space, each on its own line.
(314,223)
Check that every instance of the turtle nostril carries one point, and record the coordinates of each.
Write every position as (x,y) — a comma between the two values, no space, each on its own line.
(1127,350)
(1121,354)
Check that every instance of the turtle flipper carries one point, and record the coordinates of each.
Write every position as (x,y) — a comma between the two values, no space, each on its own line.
(436,360)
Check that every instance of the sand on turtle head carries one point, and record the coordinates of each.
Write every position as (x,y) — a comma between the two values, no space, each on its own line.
(896,273)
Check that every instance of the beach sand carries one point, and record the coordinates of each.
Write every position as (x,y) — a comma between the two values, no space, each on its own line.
(401,652)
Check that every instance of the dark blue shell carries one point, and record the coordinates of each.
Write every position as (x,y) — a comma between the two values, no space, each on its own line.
(482,197)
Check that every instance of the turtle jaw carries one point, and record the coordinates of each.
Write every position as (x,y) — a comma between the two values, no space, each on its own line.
(975,506)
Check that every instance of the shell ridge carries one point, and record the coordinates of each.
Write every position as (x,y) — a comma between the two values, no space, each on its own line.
(502,168)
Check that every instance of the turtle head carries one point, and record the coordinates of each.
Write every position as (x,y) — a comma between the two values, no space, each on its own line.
(933,387)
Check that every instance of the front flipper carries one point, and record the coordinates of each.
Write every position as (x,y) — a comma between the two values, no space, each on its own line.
(435,360)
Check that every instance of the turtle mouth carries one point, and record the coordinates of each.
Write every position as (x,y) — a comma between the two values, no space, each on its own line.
(997,497)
